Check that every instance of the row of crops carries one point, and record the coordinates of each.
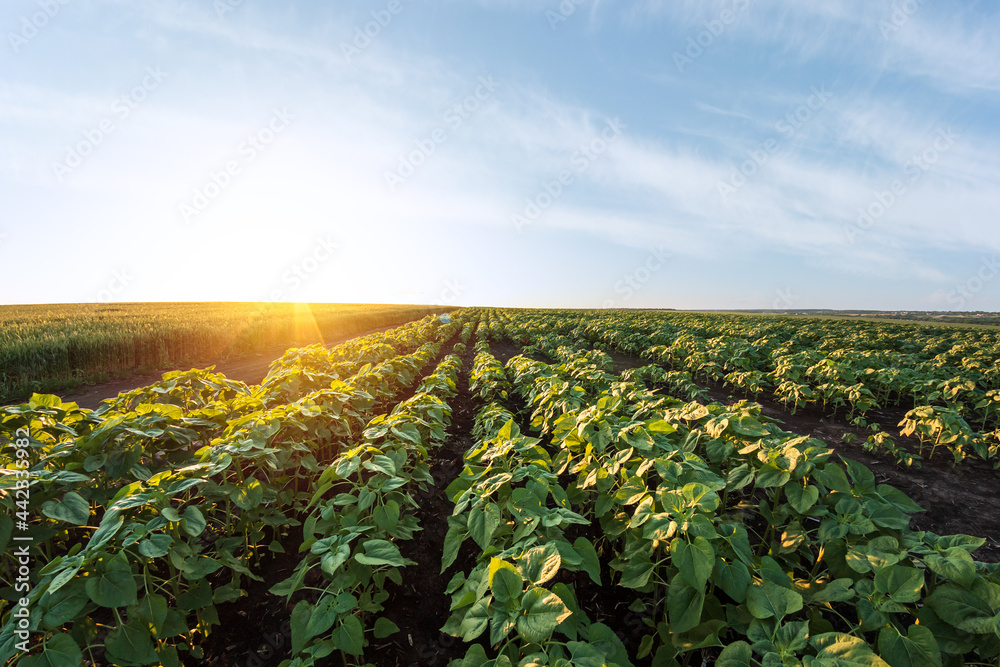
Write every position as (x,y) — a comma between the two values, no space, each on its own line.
(738,543)
(145,515)
(732,541)
(944,381)
(52,347)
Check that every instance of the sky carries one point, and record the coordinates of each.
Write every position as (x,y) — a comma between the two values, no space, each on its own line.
(708,154)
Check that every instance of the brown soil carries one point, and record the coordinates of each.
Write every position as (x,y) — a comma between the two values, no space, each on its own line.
(419,606)
(503,350)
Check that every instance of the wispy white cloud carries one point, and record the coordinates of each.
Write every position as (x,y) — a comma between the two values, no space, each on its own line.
(656,183)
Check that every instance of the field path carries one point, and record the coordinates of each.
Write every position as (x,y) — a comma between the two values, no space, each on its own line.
(248,369)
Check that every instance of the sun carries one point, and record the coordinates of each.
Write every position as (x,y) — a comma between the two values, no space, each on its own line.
(306,329)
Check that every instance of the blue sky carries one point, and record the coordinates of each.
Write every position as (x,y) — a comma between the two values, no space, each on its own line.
(583,153)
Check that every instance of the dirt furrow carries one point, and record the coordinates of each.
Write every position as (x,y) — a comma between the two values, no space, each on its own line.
(419,606)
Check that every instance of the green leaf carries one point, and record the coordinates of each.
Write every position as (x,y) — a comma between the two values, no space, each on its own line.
(474,657)
(791,637)
(288,586)
(988,591)
(801,499)
(386,516)
(452,541)
(483,522)
(718,450)
(540,564)
(196,597)
(845,651)
(695,560)
(768,600)
(152,609)
(900,584)
(497,564)
(249,494)
(733,578)
(198,567)
(506,584)
(737,654)
(542,612)
(156,546)
(660,426)
(888,516)
(838,590)
(130,644)
(170,514)
(739,477)
(585,655)
(345,467)
(770,476)
(109,527)
(962,609)
(967,542)
(862,476)
(684,604)
(113,585)
(701,496)
(476,619)
(632,490)
(68,477)
(349,636)
(606,640)
(325,613)
(456,582)
(168,656)
(384,628)
(832,476)
(659,527)
(227,592)
(898,499)
(502,622)
(748,426)
(408,432)
(380,552)
(332,560)
(918,648)
(591,564)
(954,563)
(299,620)
(385,465)
(174,624)
(60,651)
(194,523)
(320,547)
(636,573)
(63,605)
(71,509)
